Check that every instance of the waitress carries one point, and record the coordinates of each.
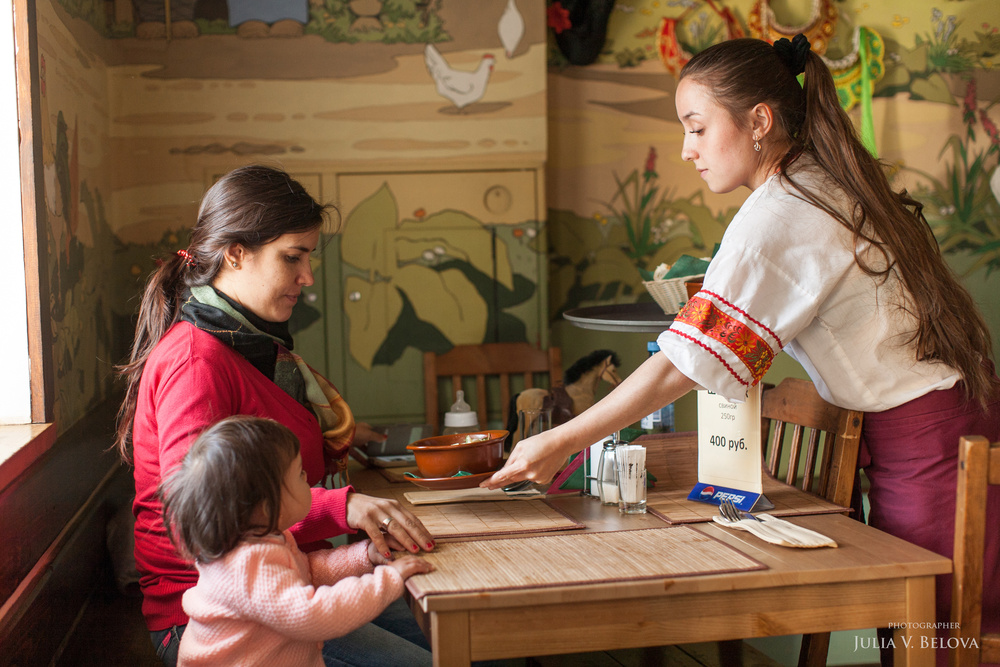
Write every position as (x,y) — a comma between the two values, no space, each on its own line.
(827,262)
(211,342)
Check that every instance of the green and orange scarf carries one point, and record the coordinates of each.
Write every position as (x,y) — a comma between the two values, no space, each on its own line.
(268,347)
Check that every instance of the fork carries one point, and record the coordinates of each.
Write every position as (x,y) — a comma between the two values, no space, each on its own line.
(731,513)
(731,516)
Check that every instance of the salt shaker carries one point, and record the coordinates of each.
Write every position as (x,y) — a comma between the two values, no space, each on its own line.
(607,475)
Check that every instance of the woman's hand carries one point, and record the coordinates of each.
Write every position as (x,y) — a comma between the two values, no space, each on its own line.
(382,518)
(538,458)
(364,433)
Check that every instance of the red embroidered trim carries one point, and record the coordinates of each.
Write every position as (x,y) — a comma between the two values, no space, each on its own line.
(713,353)
(747,315)
(739,338)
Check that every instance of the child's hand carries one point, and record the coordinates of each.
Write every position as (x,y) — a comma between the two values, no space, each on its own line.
(378,558)
(407,566)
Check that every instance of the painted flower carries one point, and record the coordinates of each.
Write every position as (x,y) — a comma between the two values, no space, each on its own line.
(649,171)
(558,17)
(969,104)
(990,127)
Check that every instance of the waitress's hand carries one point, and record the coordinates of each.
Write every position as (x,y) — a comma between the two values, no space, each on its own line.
(370,514)
(538,459)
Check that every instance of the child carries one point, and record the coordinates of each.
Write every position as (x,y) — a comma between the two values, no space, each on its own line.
(259,600)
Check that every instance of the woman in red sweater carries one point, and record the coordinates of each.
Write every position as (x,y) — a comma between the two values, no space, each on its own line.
(211,342)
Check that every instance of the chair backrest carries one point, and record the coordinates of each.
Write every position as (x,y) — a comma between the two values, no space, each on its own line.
(978,467)
(489,359)
(827,437)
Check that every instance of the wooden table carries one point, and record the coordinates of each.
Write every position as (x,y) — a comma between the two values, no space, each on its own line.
(871,580)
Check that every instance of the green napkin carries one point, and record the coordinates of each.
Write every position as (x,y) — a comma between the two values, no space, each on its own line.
(686,265)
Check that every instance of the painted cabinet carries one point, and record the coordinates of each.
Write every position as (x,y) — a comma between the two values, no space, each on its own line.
(424,261)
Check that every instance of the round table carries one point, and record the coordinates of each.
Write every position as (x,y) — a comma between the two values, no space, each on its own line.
(643,317)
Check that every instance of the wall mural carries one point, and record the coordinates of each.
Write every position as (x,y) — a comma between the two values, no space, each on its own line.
(596,255)
(145,102)
(430,281)
(133,130)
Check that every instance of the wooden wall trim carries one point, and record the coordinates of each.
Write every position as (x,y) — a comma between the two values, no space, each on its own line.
(33,211)
(20,601)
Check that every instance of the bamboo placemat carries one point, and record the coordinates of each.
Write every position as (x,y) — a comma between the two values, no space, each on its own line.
(587,558)
(674,461)
(501,517)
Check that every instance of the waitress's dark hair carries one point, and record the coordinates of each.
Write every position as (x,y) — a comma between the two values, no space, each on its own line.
(234,468)
(250,206)
(742,73)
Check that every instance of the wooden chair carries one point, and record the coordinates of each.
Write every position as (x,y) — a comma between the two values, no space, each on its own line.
(978,467)
(822,457)
(489,359)
(827,437)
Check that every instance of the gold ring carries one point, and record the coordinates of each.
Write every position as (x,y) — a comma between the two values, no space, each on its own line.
(385,522)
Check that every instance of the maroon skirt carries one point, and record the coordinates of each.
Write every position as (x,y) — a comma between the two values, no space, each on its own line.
(910,456)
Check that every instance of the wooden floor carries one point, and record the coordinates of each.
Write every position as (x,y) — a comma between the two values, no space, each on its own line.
(111,632)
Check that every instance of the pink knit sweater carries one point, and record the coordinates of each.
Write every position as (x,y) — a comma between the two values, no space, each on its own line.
(267,603)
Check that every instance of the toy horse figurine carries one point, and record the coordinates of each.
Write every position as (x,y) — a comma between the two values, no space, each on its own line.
(574,395)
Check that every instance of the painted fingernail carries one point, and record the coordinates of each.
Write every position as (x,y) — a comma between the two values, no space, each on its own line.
(387,554)
(430,545)
(414,547)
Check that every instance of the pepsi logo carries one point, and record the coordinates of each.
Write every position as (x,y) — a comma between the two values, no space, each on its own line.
(707,492)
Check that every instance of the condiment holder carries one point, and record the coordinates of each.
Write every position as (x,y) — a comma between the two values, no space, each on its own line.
(630,466)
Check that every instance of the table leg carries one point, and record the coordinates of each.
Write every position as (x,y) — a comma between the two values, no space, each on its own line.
(913,645)
(450,640)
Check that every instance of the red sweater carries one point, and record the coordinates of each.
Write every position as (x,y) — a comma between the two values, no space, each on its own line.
(190,381)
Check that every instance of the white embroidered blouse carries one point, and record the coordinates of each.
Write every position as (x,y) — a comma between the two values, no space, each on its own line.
(785,278)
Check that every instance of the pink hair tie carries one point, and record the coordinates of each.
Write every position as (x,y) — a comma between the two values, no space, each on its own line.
(188,259)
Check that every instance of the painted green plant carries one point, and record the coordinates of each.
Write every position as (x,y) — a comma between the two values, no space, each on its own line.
(593,262)
(961,207)
(919,71)
(945,51)
(647,213)
(398,22)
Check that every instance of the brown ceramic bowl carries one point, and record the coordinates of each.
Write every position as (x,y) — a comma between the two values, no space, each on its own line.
(693,288)
(445,455)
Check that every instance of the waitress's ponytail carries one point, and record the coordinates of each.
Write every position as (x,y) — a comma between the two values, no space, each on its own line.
(742,73)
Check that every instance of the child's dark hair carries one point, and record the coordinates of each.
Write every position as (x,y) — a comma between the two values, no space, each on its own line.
(234,467)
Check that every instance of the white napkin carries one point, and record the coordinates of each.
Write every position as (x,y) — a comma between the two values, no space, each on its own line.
(778,531)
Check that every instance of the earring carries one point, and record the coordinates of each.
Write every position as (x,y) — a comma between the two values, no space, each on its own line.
(756,144)
(236,266)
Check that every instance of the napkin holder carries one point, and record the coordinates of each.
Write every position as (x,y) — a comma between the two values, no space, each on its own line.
(729,452)
(714,494)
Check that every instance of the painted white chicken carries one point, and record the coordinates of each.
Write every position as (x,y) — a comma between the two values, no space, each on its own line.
(510,28)
(462,88)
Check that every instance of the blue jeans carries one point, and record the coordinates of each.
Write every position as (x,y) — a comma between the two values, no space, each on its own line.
(392,639)
(166,642)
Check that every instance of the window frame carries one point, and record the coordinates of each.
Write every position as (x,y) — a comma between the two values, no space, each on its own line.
(42,381)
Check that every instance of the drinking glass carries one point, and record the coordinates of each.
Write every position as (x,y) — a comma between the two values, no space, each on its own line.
(532,422)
